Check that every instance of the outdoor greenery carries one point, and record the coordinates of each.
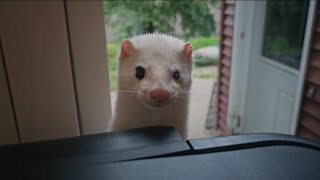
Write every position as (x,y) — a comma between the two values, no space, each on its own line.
(197,43)
(201,42)
(201,62)
(129,17)
(206,72)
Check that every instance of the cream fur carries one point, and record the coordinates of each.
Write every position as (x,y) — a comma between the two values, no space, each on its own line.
(160,55)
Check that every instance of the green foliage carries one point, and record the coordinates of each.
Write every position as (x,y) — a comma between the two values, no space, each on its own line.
(200,62)
(112,52)
(280,44)
(201,42)
(136,17)
(207,72)
(113,77)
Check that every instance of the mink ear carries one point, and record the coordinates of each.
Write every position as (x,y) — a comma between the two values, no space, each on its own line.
(187,52)
(127,49)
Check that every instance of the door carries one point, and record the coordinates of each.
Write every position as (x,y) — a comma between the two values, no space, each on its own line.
(277,41)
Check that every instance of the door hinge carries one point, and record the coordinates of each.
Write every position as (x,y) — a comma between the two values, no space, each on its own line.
(236,123)
(242,35)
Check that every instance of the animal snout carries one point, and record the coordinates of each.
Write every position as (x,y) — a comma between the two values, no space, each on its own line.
(159,95)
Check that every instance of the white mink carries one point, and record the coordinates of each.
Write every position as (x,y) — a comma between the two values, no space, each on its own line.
(153,83)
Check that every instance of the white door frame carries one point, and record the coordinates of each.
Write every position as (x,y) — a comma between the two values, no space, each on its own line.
(242,43)
(303,65)
(239,64)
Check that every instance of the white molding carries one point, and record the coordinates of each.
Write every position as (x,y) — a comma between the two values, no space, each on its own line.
(240,63)
(305,51)
(37,59)
(279,65)
(88,46)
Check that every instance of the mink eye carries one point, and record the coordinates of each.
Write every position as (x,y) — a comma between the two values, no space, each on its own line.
(140,71)
(176,75)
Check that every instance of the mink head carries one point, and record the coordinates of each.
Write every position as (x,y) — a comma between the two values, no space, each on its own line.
(155,69)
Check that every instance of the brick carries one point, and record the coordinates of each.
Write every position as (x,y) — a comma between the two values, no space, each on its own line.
(311,124)
(223,105)
(312,109)
(223,93)
(224,81)
(315,61)
(222,131)
(226,51)
(225,89)
(317,95)
(223,99)
(225,71)
(226,61)
(314,76)
(315,53)
(316,42)
(229,10)
(222,124)
(227,42)
(222,115)
(228,31)
(228,21)
(309,90)
(305,133)
(229,2)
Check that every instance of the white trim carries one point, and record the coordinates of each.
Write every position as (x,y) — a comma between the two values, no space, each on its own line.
(259,31)
(306,47)
(240,60)
(280,66)
(88,47)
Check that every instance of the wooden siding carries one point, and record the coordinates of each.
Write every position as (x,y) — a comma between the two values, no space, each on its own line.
(53,70)
(89,64)
(309,120)
(226,37)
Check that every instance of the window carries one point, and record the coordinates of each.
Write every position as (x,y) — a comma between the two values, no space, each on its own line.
(284,31)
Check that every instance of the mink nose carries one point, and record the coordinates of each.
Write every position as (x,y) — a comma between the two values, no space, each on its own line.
(159,95)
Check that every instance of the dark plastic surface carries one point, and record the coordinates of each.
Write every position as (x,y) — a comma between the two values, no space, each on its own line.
(160,153)
(95,149)
(250,140)
(273,162)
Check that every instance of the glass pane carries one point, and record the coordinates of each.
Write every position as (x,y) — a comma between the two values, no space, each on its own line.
(284,31)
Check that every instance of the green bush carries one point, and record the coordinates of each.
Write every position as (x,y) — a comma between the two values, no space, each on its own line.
(112,52)
(112,68)
(200,62)
(201,42)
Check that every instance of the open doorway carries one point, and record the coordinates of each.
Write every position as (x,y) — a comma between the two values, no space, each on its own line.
(196,22)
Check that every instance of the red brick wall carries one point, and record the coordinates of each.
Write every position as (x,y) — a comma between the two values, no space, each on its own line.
(226,35)
(309,120)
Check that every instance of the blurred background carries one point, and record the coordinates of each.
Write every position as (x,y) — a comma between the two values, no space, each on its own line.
(194,21)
